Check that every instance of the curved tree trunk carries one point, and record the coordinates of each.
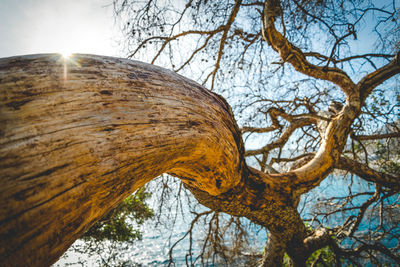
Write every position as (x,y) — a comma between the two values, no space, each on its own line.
(78,136)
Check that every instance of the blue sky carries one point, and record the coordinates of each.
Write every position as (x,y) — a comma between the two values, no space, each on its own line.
(47,26)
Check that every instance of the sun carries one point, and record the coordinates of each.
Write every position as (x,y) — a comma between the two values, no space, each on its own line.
(66,54)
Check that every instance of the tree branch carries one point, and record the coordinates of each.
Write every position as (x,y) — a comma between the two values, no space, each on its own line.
(222,42)
(79,138)
(172,38)
(336,61)
(283,138)
(363,208)
(90,144)
(372,80)
(273,251)
(368,174)
(356,252)
(292,54)
(376,136)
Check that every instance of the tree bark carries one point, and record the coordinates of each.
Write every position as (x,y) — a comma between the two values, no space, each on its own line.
(79,135)
(273,252)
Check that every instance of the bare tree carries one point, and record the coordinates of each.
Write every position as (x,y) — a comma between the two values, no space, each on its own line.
(231,47)
(80,136)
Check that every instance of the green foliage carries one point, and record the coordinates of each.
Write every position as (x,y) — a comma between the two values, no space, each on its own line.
(388,157)
(117,225)
(325,255)
(286,261)
(392,167)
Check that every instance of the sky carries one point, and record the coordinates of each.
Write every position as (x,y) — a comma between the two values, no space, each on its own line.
(58,26)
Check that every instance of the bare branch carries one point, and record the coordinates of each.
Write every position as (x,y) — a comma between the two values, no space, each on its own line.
(227,27)
(336,61)
(294,124)
(355,252)
(372,80)
(377,136)
(188,232)
(172,38)
(247,129)
(368,174)
(292,54)
(356,223)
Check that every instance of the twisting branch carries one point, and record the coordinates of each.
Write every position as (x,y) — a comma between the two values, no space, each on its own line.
(368,174)
(337,130)
(298,160)
(273,113)
(319,239)
(292,54)
(356,223)
(295,122)
(287,133)
(247,129)
(372,80)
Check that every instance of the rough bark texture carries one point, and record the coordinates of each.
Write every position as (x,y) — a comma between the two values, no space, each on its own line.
(79,135)
(273,252)
(333,136)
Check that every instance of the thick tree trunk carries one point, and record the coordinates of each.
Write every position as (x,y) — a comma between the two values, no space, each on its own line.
(273,252)
(79,135)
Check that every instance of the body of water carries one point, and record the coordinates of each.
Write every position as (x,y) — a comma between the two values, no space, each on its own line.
(158,237)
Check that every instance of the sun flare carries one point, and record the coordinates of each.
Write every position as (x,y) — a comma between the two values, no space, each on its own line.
(66,54)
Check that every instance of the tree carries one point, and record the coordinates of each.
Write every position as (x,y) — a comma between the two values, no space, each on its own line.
(79,136)
(117,231)
(288,98)
(65,159)
(115,226)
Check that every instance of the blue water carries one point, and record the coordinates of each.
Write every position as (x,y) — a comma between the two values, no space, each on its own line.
(339,186)
(158,236)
